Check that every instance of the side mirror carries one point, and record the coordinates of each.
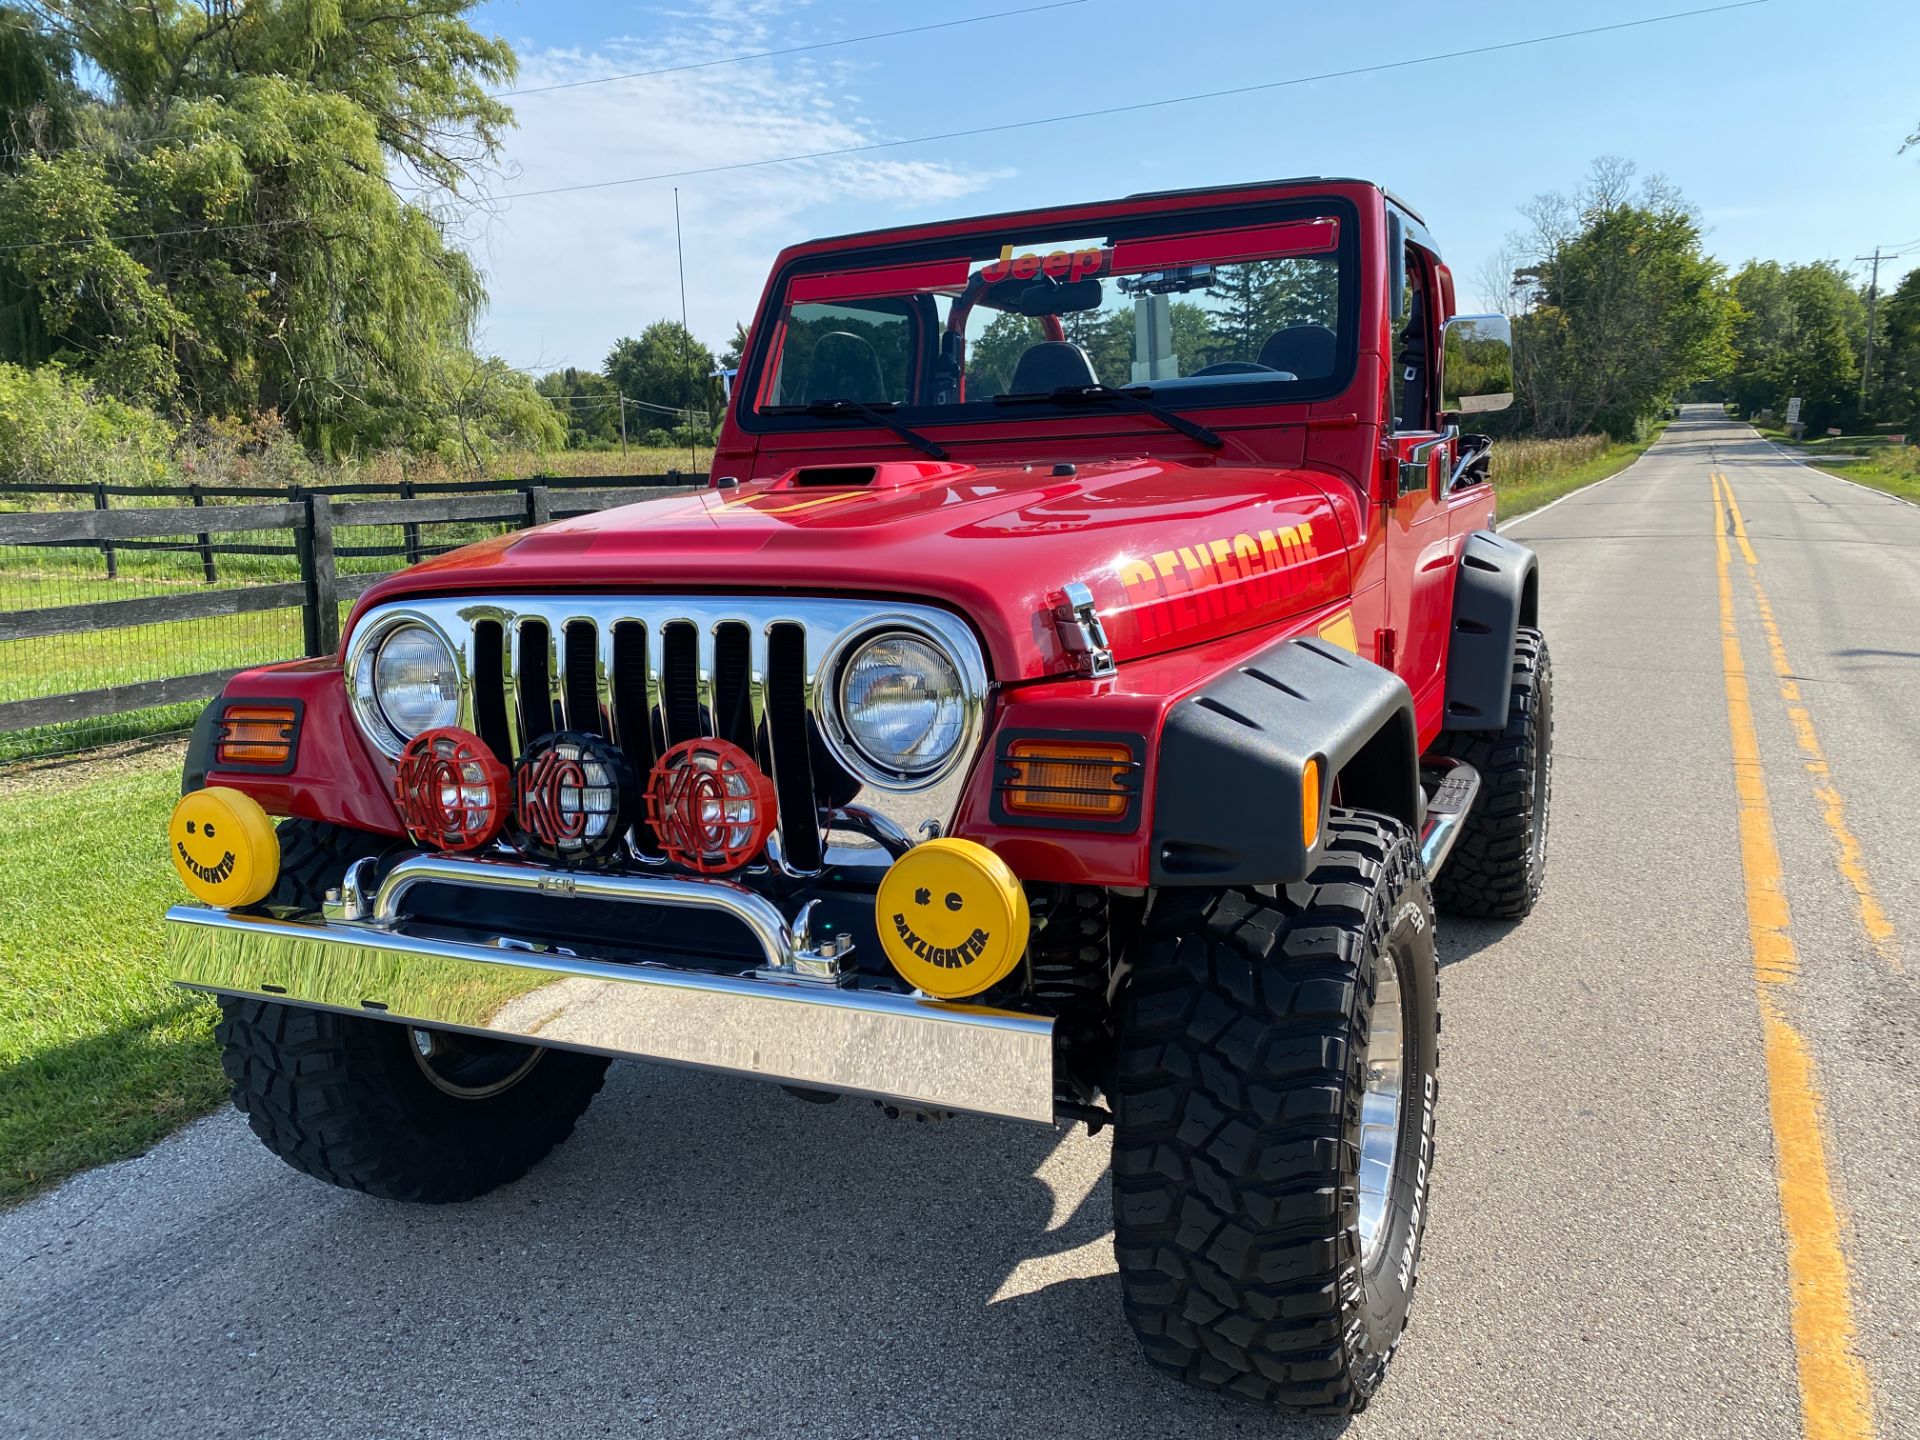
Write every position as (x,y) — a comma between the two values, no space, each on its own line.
(1476,364)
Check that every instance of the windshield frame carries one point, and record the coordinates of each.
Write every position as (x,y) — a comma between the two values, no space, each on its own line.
(1188,398)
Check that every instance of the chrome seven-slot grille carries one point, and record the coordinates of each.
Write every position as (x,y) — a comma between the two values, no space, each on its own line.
(649,673)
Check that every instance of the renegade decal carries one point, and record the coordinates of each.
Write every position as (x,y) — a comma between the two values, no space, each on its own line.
(1180,588)
(1339,631)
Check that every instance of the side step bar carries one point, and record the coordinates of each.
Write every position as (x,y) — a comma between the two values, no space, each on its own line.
(1447,810)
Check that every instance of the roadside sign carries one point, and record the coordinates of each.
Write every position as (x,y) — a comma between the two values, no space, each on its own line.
(1793,411)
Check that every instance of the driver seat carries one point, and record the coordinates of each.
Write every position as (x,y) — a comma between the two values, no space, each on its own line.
(1304,351)
(1051,365)
(845,367)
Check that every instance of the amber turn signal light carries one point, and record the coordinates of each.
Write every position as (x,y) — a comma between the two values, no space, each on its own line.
(255,736)
(1070,779)
(1310,804)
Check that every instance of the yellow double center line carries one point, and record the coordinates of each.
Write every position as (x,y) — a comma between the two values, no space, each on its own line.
(1835,1401)
(1848,857)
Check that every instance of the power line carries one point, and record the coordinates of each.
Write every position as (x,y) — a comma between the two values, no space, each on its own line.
(164,234)
(1140,105)
(1002,128)
(790,50)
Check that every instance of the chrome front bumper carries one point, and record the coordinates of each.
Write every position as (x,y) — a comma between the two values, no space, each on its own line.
(832,1037)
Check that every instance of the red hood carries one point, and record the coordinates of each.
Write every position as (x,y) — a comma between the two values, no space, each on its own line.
(1174,554)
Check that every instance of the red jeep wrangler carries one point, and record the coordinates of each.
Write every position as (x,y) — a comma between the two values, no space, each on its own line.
(1090,662)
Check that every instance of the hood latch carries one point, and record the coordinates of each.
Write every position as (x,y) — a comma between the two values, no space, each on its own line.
(1082,635)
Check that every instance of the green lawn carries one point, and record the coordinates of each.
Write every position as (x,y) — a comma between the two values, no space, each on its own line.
(1871,460)
(1548,469)
(99,1055)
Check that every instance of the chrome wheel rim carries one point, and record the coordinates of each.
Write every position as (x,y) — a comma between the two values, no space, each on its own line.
(470,1069)
(1380,1105)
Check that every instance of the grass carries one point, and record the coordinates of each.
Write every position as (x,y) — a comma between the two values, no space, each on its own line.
(99,1055)
(1530,473)
(37,577)
(1871,460)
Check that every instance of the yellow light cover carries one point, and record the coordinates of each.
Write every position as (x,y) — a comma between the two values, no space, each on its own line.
(224,846)
(952,918)
(1310,804)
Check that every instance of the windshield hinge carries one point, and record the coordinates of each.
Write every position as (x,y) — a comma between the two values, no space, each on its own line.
(1082,635)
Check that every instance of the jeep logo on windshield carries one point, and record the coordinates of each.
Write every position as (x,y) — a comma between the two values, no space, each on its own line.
(1068,265)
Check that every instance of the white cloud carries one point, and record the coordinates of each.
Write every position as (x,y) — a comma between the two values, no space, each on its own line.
(568,274)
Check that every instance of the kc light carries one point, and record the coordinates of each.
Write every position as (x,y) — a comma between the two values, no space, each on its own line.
(451,790)
(712,808)
(404,684)
(902,705)
(573,800)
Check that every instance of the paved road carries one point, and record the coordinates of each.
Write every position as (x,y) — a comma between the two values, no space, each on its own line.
(1609,1253)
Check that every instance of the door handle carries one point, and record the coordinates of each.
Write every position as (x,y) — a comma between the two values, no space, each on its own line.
(1416,468)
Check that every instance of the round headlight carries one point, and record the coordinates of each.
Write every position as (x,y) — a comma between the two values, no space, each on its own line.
(415,682)
(903,704)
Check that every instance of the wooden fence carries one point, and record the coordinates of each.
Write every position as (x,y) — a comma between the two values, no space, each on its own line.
(312,516)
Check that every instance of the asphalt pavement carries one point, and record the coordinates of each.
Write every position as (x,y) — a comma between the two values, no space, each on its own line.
(1626,1234)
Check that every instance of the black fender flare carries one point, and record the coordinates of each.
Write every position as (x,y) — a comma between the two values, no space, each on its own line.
(1229,775)
(1496,591)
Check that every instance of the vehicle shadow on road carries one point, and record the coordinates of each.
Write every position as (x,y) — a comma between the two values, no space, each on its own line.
(1459,941)
(706,1257)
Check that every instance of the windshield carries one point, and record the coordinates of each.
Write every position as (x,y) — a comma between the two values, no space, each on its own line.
(1199,316)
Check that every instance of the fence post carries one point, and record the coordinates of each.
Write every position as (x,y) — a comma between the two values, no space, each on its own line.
(410,534)
(320,615)
(206,541)
(106,546)
(539,505)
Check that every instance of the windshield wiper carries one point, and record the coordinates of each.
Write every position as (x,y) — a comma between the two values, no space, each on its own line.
(1133,399)
(875,414)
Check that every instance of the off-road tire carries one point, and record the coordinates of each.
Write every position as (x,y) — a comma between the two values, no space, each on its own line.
(1240,1075)
(313,858)
(345,1100)
(1499,862)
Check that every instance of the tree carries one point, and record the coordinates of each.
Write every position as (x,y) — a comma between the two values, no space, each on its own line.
(1796,333)
(225,234)
(1619,308)
(736,351)
(479,406)
(991,358)
(1897,355)
(586,403)
(665,369)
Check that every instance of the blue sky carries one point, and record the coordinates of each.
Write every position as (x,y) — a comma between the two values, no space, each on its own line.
(1782,122)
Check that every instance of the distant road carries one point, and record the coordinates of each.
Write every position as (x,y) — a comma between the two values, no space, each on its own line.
(1628,1077)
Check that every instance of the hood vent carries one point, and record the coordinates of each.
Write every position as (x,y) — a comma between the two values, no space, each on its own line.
(838,477)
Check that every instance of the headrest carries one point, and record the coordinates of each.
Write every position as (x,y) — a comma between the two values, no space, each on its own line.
(1051,365)
(1306,351)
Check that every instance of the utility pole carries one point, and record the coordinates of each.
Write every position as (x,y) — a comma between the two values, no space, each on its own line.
(623,427)
(1873,305)
(686,335)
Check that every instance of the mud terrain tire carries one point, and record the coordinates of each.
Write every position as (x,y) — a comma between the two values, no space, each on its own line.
(1499,862)
(352,1102)
(1236,1165)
